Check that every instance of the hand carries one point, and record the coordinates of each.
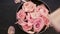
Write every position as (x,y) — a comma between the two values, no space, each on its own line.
(11,30)
(55,20)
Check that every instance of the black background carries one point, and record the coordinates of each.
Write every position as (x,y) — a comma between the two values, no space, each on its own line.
(8,17)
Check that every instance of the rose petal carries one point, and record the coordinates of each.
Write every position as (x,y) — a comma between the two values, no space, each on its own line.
(46,19)
(28,6)
(21,14)
(42,9)
(27,27)
(38,24)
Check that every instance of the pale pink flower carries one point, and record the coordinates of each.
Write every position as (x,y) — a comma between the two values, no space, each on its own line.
(36,19)
(45,19)
(29,18)
(42,10)
(29,6)
(38,24)
(21,14)
(35,15)
(26,26)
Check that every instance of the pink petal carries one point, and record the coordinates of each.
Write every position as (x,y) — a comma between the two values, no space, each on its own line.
(46,19)
(26,27)
(28,6)
(38,24)
(42,9)
(21,14)
(29,18)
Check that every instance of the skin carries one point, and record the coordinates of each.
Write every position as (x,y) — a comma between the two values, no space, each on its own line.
(11,30)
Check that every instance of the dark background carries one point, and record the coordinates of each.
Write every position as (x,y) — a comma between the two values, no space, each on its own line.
(8,17)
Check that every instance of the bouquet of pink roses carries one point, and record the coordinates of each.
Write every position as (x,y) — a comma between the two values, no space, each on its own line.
(33,18)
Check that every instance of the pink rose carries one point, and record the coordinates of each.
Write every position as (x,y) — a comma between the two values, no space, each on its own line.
(36,19)
(20,22)
(42,10)
(35,15)
(46,19)
(28,6)
(38,24)
(21,14)
(27,26)
(29,18)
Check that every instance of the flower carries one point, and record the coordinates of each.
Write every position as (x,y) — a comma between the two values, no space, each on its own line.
(21,14)
(27,26)
(46,19)
(42,10)
(33,18)
(28,6)
(38,24)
